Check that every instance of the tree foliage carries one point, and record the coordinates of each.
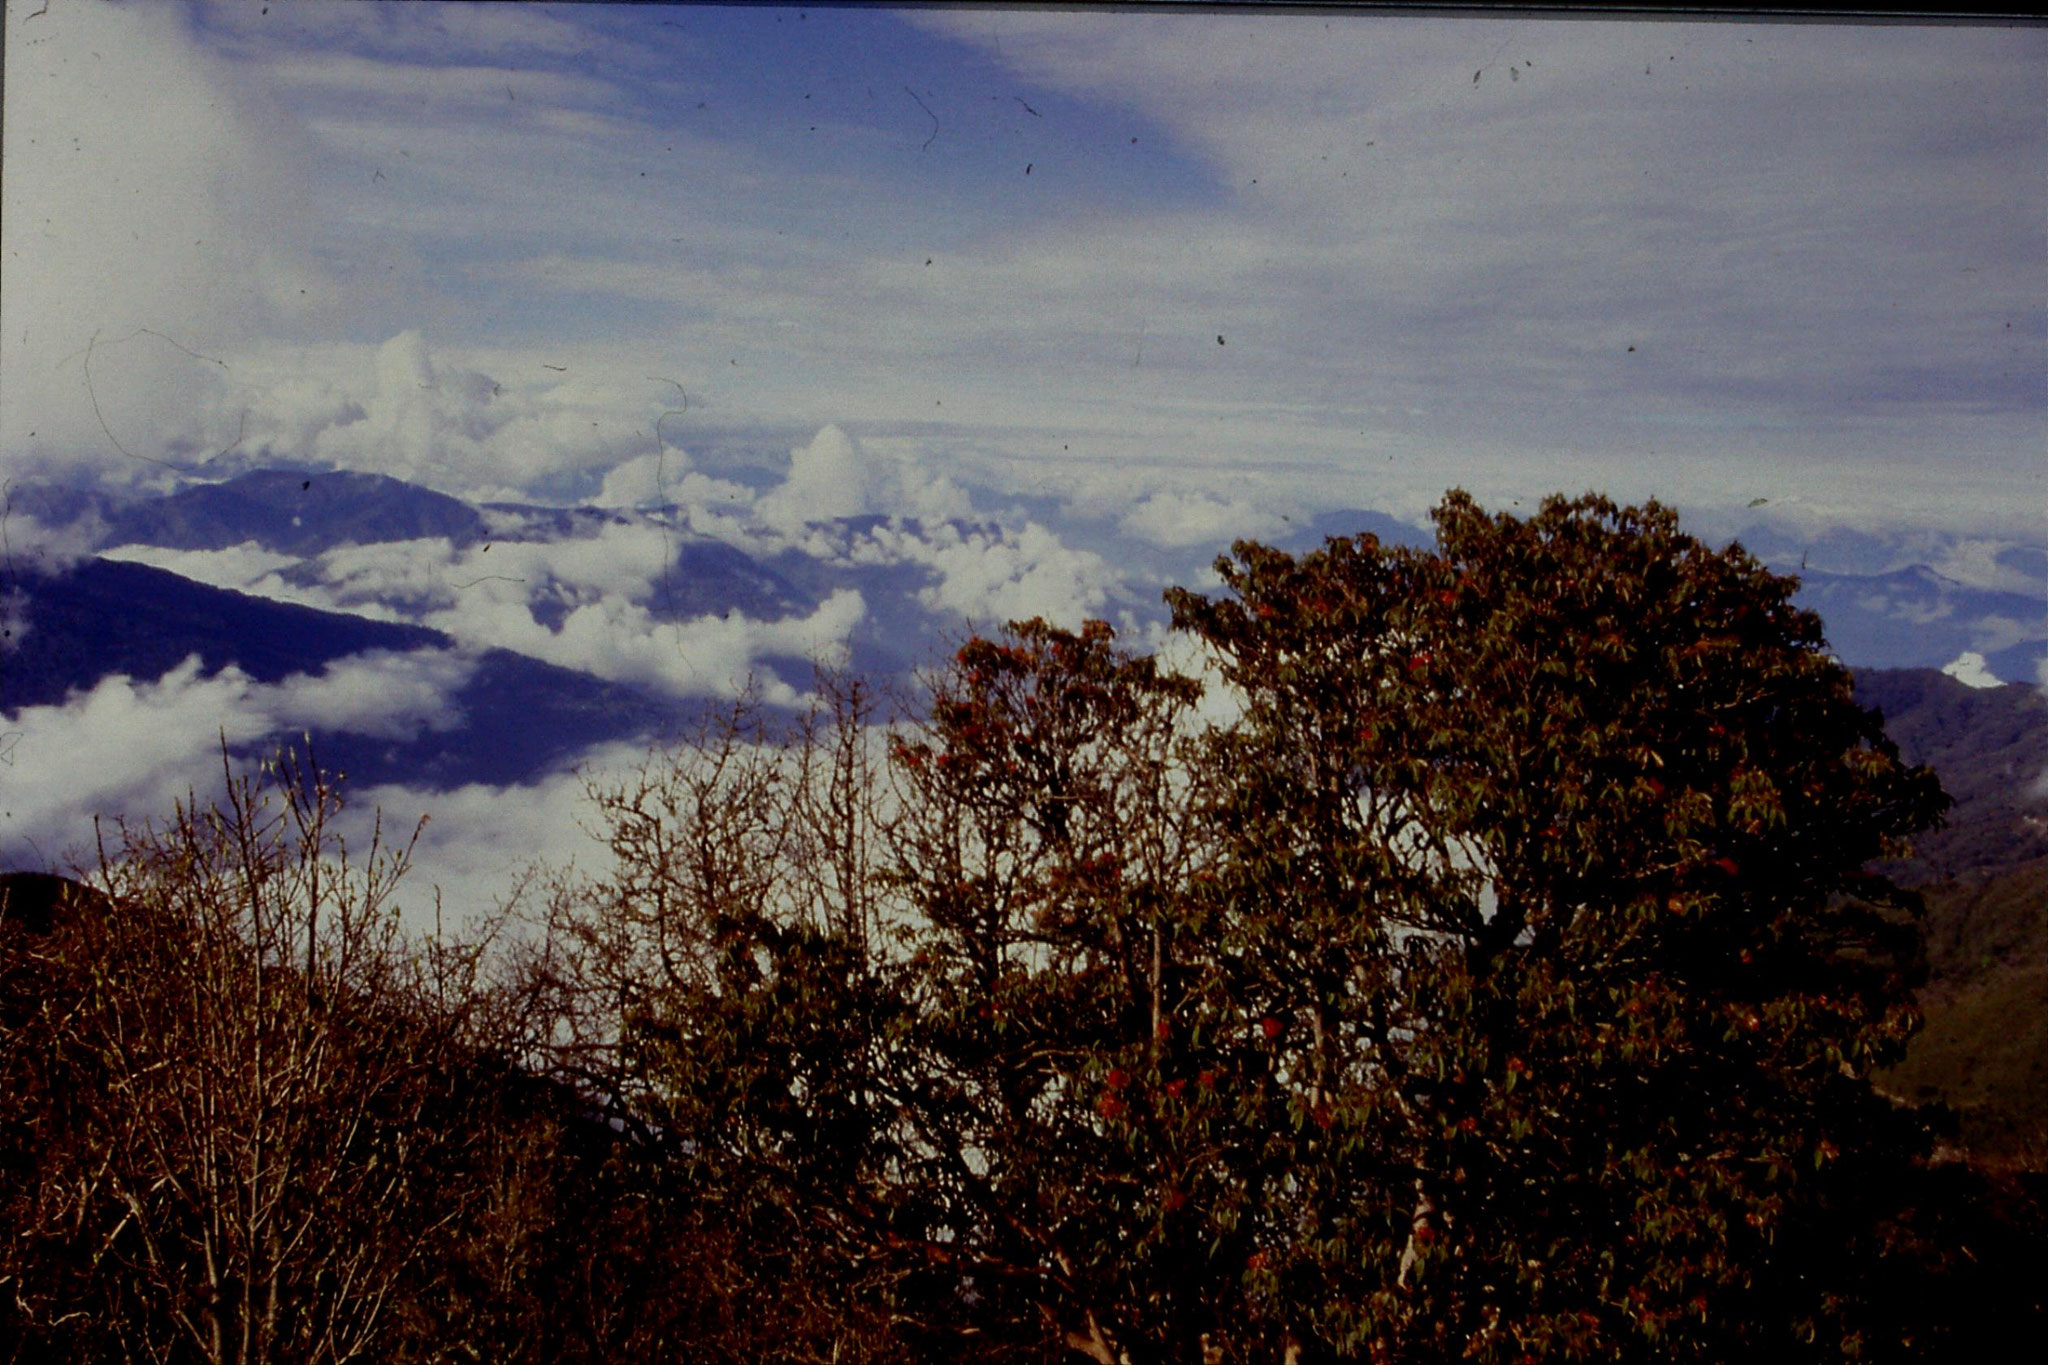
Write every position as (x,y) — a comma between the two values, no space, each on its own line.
(1502,982)
(1546,841)
(1477,958)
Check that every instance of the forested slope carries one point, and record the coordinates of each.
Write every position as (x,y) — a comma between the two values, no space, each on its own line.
(1984,1046)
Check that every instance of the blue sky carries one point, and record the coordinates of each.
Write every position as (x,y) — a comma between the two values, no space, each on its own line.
(1281,259)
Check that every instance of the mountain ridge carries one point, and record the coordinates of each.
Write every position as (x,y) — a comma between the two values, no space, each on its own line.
(298,512)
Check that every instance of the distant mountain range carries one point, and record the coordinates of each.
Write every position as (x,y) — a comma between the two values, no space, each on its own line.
(521,717)
(1916,618)
(296,513)
(1990,745)
(99,616)
(105,616)
(1879,614)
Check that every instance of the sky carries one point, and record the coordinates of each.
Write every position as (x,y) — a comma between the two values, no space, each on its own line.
(1235,260)
(1091,293)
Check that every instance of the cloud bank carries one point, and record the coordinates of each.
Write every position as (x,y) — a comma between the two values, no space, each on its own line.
(133,748)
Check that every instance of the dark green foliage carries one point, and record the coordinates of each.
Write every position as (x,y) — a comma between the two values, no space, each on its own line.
(1983,925)
(1984,1049)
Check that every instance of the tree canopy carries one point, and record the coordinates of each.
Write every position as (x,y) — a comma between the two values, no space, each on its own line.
(1503,980)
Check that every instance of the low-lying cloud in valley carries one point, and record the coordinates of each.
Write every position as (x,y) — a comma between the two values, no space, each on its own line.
(133,747)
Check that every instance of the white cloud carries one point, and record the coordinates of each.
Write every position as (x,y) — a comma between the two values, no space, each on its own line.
(1423,279)
(235,568)
(1403,250)
(1920,612)
(1969,669)
(1180,519)
(829,478)
(139,194)
(494,31)
(618,639)
(384,693)
(130,748)
(663,477)
(983,574)
(430,418)
(433,90)
(50,549)
(483,423)
(1977,563)
(1994,633)
(449,417)
(479,840)
(597,589)
(838,475)
(1221,704)
(645,480)
(924,493)
(989,577)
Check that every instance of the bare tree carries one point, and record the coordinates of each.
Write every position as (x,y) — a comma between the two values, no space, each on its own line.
(267,1046)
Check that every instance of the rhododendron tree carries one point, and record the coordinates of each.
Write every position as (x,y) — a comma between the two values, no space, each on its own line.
(1552,838)
(1503,981)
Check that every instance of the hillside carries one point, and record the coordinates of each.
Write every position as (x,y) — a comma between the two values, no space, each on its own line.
(1990,746)
(106,616)
(519,716)
(1984,1047)
(294,512)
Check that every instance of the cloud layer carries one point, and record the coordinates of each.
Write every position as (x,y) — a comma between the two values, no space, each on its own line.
(133,748)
